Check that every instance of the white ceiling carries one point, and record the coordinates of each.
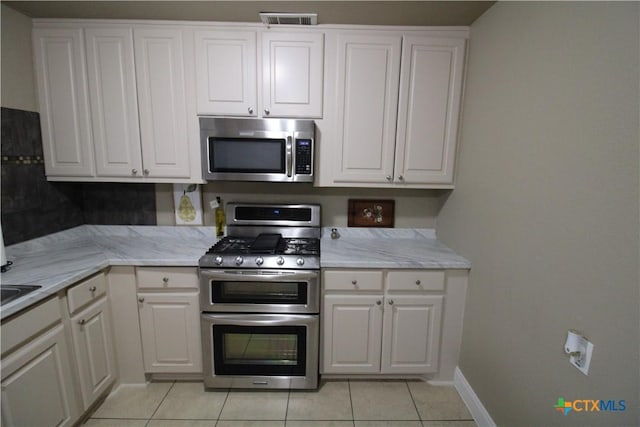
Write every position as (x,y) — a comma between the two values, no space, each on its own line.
(329,12)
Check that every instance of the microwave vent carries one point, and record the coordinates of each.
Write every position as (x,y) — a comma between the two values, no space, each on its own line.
(269,18)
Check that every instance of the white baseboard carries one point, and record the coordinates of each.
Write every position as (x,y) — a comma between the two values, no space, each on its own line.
(477,409)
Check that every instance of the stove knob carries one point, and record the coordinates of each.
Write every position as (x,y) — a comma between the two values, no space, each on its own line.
(280,260)
(239,260)
(300,261)
(259,260)
(218,260)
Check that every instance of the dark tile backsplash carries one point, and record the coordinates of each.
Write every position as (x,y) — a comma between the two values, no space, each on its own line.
(34,207)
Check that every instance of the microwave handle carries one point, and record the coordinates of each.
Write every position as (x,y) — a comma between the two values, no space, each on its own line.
(289,156)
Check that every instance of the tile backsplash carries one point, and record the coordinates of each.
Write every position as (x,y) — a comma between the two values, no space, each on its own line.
(34,207)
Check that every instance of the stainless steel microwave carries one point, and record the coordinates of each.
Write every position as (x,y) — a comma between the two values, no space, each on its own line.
(276,150)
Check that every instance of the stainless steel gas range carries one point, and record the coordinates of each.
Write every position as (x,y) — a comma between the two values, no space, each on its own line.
(259,297)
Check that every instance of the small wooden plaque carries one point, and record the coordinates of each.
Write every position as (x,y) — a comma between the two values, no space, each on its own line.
(371,213)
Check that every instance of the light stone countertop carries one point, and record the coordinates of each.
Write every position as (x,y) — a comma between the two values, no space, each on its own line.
(62,259)
(387,248)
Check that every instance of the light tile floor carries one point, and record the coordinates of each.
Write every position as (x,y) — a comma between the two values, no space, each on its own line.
(335,404)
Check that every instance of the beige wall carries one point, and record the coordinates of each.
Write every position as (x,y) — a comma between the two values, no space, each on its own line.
(413,208)
(18,82)
(546,208)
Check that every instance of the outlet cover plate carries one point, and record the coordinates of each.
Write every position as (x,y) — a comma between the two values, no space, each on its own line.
(583,361)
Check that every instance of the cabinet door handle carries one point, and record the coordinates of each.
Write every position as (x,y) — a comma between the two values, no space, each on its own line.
(82,321)
(140,299)
(354,282)
(165,280)
(266,112)
(92,289)
(390,302)
(134,171)
(378,302)
(401,178)
(388,177)
(418,282)
(146,171)
(250,110)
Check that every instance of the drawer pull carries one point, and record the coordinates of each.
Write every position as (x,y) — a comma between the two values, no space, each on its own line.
(82,322)
(140,299)
(92,289)
(354,282)
(390,302)
(165,280)
(418,282)
(378,302)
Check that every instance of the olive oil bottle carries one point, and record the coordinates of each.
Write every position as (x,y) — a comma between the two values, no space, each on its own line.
(220,218)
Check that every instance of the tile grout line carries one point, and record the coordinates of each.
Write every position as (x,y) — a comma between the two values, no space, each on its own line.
(286,411)
(160,404)
(222,407)
(406,383)
(353,415)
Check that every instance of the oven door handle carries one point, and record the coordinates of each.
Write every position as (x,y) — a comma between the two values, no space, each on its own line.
(258,276)
(260,319)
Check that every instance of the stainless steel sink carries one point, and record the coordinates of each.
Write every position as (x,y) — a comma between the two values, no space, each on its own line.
(12,292)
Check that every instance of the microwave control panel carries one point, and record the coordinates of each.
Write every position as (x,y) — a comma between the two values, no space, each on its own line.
(303,156)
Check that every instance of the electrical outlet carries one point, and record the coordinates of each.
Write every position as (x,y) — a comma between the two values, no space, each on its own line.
(583,360)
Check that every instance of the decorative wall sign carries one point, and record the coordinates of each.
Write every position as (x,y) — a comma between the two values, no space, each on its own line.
(187,204)
(371,213)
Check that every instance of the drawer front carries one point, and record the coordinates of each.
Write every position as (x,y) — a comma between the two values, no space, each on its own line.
(26,325)
(353,280)
(416,280)
(167,277)
(86,292)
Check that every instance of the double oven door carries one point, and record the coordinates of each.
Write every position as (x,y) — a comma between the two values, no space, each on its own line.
(260,328)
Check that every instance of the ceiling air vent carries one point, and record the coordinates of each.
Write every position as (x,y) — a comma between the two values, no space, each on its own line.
(289,18)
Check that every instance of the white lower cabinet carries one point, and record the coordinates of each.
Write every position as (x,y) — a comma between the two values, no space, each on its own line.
(378,322)
(91,330)
(92,337)
(169,311)
(352,333)
(38,387)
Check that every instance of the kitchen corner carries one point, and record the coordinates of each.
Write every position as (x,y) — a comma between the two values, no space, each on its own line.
(62,259)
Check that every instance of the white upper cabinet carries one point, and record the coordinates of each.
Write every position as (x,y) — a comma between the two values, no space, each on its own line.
(428,109)
(397,101)
(63,101)
(226,72)
(162,101)
(368,70)
(114,104)
(229,81)
(292,74)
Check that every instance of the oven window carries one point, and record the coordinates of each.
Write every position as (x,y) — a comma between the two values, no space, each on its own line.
(259,350)
(234,292)
(255,155)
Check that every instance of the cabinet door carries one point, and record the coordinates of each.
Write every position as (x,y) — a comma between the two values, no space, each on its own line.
(114,104)
(63,101)
(170,328)
(91,330)
(429,106)
(352,326)
(292,65)
(411,335)
(37,385)
(160,80)
(226,72)
(368,69)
